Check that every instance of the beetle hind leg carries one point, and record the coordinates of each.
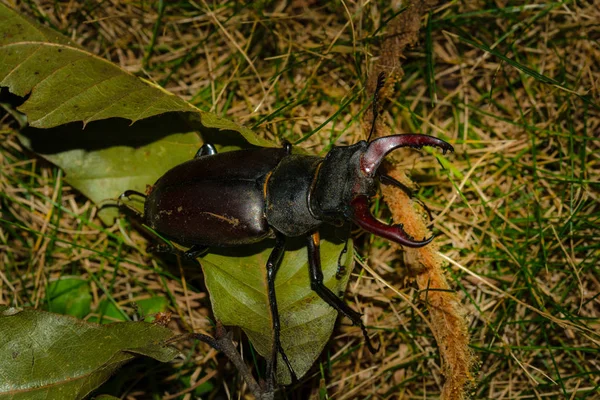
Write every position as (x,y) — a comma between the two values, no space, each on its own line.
(316,284)
(160,248)
(191,254)
(195,251)
(273,264)
(127,195)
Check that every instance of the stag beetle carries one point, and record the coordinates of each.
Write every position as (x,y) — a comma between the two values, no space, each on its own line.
(246,196)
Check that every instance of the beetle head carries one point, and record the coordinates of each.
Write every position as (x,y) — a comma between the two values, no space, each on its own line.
(346,181)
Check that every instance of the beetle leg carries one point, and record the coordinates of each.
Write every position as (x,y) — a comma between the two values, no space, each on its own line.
(207,149)
(316,284)
(195,251)
(160,248)
(191,254)
(128,193)
(272,266)
(341,269)
(388,180)
(287,146)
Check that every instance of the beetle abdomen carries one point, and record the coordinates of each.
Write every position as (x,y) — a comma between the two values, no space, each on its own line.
(209,202)
(209,213)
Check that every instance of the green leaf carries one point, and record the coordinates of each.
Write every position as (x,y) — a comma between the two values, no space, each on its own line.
(205,388)
(105,173)
(238,289)
(50,356)
(116,131)
(153,305)
(70,296)
(68,84)
(134,132)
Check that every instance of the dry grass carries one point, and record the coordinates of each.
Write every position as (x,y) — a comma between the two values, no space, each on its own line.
(515,89)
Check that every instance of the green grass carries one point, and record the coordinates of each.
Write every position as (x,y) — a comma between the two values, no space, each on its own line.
(515,91)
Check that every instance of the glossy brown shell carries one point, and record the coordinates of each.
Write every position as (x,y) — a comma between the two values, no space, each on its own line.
(215,200)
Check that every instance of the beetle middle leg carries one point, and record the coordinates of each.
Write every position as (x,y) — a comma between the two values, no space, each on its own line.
(195,251)
(273,264)
(316,284)
(341,269)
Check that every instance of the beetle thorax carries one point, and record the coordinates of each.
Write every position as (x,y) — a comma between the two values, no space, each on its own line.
(287,193)
(338,181)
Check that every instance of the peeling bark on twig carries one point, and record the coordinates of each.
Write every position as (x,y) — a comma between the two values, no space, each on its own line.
(223,343)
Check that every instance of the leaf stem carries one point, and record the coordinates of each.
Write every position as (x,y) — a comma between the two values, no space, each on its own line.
(223,343)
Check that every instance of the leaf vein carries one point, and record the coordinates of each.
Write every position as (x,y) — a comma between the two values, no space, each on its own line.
(233,296)
(81,93)
(116,99)
(152,104)
(21,63)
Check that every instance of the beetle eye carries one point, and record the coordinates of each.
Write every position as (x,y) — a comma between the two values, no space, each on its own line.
(362,217)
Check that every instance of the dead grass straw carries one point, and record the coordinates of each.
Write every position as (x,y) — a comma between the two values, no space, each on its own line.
(514,88)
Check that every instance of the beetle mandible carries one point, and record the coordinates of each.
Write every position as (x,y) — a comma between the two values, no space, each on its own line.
(246,196)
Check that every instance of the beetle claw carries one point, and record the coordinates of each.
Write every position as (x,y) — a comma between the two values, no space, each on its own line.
(195,251)
(363,218)
(379,148)
(159,248)
(368,342)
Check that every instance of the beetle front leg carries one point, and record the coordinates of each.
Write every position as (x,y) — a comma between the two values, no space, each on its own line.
(272,266)
(388,180)
(316,284)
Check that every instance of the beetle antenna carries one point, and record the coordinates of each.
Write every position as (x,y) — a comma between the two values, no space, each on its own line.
(380,83)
